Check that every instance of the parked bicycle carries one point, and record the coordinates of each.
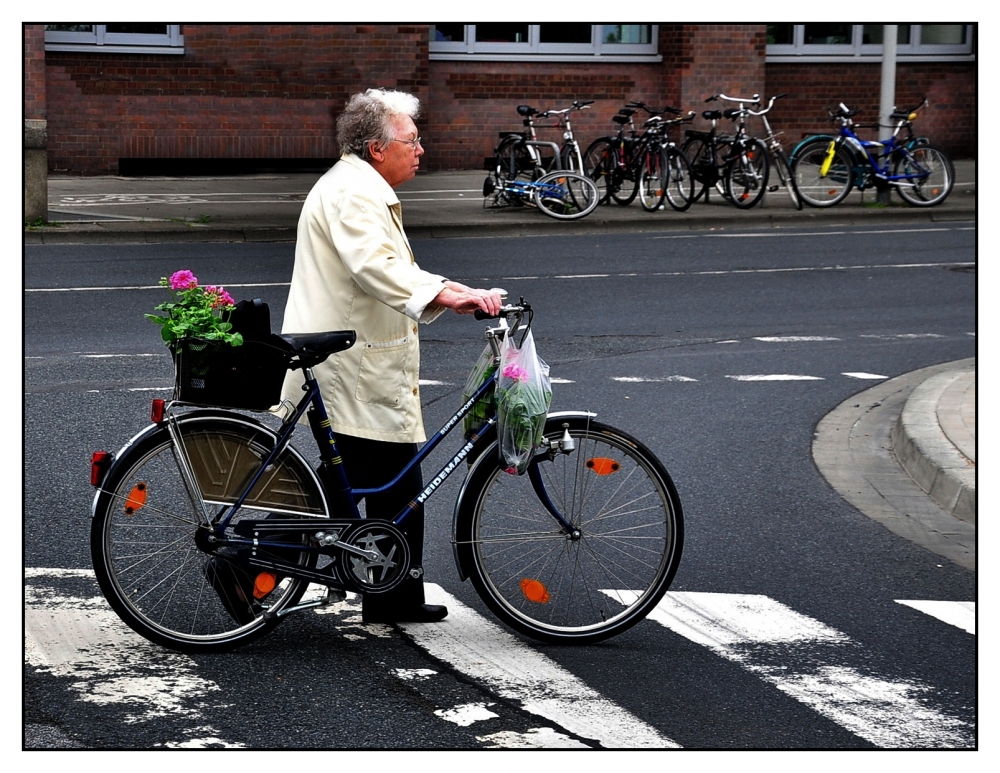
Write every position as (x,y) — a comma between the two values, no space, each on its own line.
(523,155)
(579,548)
(666,175)
(827,168)
(738,164)
(559,194)
(616,162)
(777,155)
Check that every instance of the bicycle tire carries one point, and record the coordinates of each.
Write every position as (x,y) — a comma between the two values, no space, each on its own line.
(626,188)
(653,180)
(151,561)
(746,175)
(513,160)
(706,166)
(786,178)
(680,181)
(815,188)
(571,159)
(556,588)
(565,195)
(932,189)
(600,162)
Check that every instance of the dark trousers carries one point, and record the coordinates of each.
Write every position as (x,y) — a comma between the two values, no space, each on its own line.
(373,463)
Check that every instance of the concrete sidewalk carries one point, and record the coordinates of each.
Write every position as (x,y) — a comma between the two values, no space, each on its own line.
(930,434)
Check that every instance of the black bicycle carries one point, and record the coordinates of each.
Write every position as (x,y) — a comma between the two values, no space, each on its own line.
(208,525)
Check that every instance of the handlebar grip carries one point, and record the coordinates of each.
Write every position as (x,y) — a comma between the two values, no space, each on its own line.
(481,315)
(712,98)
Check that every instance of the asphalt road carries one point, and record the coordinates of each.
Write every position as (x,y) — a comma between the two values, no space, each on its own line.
(721,351)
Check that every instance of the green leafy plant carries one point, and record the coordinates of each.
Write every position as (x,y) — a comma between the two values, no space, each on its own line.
(194,311)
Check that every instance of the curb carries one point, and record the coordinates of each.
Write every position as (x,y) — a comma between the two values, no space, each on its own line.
(925,451)
(153,233)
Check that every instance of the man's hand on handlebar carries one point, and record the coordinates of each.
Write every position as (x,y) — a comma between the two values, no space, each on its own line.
(466,300)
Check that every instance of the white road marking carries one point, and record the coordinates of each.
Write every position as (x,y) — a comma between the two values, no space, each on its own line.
(536,738)
(641,380)
(961,614)
(792,339)
(561,381)
(775,377)
(82,638)
(467,713)
(754,631)
(431,382)
(491,656)
(868,376)
(901,335)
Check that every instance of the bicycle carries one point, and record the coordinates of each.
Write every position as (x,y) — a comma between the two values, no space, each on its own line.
(519,154)
(708,153)
(579,548)
(777,155)
(827,168)
(559,194)
(615,162)
(666,174)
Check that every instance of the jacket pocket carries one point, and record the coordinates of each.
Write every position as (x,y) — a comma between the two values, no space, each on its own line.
(382,375)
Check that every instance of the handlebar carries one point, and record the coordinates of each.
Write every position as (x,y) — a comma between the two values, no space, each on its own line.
(754,100)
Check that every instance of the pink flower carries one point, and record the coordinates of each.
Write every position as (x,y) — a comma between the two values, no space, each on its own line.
(515,372)
(221,298)
(183,280)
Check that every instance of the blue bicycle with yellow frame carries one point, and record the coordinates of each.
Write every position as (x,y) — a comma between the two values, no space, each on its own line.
(826,168)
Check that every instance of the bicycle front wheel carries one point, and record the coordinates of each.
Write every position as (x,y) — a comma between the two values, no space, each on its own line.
(150,533)
(600,577)
(566,195)
(652,179)
(819,183)
(746,175)
(680,181)
(786,178)
(930,173)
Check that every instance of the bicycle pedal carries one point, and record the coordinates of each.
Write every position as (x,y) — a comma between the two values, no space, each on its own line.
(772,188)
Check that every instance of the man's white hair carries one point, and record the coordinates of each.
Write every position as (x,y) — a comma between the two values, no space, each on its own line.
(368,117)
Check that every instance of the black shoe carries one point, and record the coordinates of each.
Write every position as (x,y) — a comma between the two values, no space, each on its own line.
(425,613)
(234,586)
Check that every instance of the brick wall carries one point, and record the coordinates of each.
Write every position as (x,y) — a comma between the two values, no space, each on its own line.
(34,71)
(239,91)
(949,120)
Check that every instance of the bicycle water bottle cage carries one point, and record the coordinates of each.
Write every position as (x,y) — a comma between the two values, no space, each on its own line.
(712,115)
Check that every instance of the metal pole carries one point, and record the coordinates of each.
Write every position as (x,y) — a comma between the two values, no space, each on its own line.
(887,101)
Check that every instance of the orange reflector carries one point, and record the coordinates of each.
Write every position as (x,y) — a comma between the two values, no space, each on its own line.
(156,411)
(603,466)
(534,591)
(136,498)
(264,584)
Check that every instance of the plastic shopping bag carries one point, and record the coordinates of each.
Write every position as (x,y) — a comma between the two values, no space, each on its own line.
(524,393)
(483,408)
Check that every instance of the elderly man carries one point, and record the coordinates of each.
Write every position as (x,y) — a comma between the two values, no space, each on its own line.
(354,269)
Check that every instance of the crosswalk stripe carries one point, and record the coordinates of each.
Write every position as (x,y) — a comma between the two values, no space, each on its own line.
(961,614)
(750,630)
(489,654)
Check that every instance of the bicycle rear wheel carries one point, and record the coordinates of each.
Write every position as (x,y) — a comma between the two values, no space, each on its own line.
(599,164)
(150,533)
(680,181)
(746,175)
(932,180)
(566,195)
(594,582)
(819,184)
(653,179)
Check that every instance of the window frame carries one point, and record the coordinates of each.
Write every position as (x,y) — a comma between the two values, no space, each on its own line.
(534,50)
(856,50)
(100,40)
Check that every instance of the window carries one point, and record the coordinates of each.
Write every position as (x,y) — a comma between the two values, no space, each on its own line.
(122,38)
(832,42)
(553,42)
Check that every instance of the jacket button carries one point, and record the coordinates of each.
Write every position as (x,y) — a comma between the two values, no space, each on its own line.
(414,390)
(414,330)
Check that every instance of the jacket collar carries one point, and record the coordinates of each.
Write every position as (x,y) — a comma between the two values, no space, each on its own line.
(373,178)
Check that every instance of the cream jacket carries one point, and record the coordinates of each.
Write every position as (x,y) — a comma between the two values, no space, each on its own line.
(354,270)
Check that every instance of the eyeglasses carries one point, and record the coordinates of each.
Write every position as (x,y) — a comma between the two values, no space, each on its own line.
(412,143)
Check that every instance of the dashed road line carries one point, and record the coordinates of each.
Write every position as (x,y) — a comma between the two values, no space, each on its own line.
(961,614)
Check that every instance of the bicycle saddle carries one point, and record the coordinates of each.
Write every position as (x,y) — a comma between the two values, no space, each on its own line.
(526,110)
(620,119)
(313,348)
(731,112)
(712,115)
